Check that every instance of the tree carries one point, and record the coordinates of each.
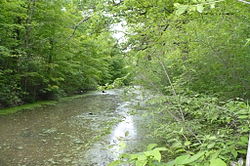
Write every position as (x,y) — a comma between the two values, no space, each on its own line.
(53,48)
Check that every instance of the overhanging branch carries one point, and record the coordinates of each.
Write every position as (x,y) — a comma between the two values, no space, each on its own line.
(77,25)
(244,1)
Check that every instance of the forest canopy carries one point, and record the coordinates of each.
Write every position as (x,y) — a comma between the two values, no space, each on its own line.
(54,48)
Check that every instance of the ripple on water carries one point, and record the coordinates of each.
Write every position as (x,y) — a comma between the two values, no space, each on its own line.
(61,134)
(124,136)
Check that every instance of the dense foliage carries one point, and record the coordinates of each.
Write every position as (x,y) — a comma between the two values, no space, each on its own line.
(52,48)
(206,52)
(196,55)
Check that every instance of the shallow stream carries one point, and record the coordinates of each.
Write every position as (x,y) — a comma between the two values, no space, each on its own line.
(88,131)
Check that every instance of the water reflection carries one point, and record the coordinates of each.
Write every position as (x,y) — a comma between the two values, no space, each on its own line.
(110,148)
(123,132)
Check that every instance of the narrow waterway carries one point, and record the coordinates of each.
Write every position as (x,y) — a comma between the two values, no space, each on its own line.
(89,131)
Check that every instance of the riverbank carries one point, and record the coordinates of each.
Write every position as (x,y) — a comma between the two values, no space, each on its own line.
(38,104)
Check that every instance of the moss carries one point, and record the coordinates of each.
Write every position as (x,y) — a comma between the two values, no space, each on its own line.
(31,106)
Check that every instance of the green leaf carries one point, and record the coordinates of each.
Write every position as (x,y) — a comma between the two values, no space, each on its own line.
(186,159)
(182,159)
(142,157)
(234,153)
(244,139)
(195,157)
(115,163)
(210,145)
(176,5)
(157,155)
(187,143)
(161,149)
(243,117)
(217,162)
(131,156)
(212,5)
(248,41)
(181,9)
(170,163)
(242,151)
(141,162)
(151,146)
(200,8)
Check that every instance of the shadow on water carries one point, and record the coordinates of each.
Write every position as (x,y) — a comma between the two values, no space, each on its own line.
(73,133)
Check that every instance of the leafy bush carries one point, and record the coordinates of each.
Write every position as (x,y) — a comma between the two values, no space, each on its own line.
(118,82)
(211,132)
(149,157)
(11,93)
(196,130)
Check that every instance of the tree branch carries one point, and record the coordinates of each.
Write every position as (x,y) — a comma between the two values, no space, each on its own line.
(244,1)
(75,28)
(77,25)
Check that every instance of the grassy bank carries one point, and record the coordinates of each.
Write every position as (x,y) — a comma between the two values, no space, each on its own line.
(38,104)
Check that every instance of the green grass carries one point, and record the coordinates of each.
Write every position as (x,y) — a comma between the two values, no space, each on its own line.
(12,110)
(38,104)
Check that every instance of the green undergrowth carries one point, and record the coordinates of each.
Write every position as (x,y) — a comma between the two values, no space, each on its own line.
(195,130)
(31,106)
(38,104)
